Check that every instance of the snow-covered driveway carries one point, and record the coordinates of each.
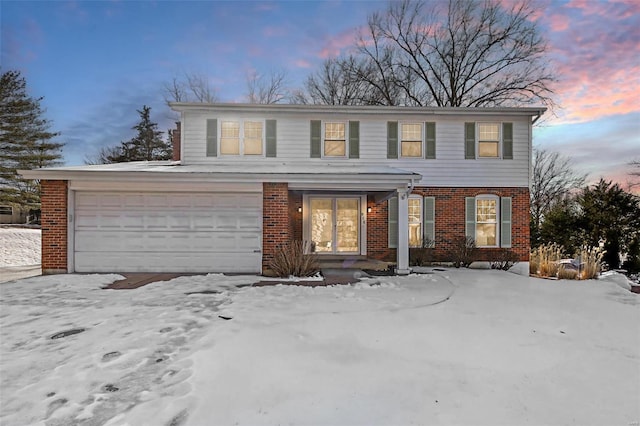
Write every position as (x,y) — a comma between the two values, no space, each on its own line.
(504,349)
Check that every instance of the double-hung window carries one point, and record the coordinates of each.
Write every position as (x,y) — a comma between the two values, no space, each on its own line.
(411,140)
(241,137)
(335,141)
(415,221)
(488,220)
(488,140)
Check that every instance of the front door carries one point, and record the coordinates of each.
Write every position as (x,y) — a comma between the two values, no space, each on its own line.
(335,224)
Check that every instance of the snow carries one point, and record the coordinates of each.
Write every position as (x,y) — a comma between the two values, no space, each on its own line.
(19,246)
(453,347)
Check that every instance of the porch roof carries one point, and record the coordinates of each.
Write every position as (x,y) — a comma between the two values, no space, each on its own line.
(300,175)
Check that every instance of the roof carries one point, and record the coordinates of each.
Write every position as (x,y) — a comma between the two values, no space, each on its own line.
(360,109)
(298,175)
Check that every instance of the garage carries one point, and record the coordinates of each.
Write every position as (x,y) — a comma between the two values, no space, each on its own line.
(167,231)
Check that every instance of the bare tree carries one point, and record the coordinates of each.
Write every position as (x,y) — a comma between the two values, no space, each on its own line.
(635,173)
(190,87)
(105,155)
(552,180)
(458,54)
(267,89)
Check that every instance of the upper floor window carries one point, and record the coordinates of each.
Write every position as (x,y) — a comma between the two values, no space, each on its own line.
(488,140)
(241,138)
(335,141)
(411,140)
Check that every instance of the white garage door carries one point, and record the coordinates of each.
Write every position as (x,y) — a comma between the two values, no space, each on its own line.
(167,232)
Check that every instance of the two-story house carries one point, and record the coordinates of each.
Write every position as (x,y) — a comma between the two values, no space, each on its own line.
(358,182)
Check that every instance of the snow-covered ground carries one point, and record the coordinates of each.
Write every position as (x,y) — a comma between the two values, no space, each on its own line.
(19,246)
(453,347)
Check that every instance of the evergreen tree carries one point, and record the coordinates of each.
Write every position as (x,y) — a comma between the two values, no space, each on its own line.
(147,145)
(611,215)
(25,141)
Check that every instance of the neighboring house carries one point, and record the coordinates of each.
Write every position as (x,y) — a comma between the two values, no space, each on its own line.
(12,214)
(356,181)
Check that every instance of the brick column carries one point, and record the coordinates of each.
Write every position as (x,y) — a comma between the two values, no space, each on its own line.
(54,226)
(275,219)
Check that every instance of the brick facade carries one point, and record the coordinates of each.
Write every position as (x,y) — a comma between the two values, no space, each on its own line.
(54,226)
(449,222)
(276,224)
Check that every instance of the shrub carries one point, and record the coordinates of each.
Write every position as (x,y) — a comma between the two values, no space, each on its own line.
(567,274)
(591,262)
(506,259)
(463,251)
(422,256)
(533,267)
(546,258)
(293,259)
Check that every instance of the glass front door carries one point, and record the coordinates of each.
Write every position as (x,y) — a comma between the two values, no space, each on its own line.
(335,225)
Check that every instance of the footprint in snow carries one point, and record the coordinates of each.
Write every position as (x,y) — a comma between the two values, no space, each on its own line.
(110,356)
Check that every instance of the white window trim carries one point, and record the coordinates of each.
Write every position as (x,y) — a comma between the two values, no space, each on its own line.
(478,156)
(241,122)
(421,198)
(346,139)
(422,139)
(498,215)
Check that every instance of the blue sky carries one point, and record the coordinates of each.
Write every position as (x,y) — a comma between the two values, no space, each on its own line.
(96,62)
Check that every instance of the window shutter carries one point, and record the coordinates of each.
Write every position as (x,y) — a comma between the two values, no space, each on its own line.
(392,215)
(470,141)
(430,140)
(392,139)
(212,137)
(354,139)
(507,141)
(429,207)
(272,142)
(316,139)
(505,222)
(470,217)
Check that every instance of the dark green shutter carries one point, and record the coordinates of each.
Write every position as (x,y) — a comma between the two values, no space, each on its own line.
(505,222)
(429,207)
(470,217)
(470,141)
(212,137)
(392,139)
(316,139)
(392,215)
(507,141)
(272,142)
(430,139)
(354,139)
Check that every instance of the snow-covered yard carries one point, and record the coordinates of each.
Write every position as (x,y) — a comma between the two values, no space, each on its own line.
(452,347)
(19,253)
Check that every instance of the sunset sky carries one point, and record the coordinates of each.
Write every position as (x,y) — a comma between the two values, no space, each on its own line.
(96,62)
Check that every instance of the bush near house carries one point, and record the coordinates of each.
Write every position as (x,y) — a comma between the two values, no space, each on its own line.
(463,252)
(294,259)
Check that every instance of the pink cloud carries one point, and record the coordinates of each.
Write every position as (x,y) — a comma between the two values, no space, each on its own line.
(334,46)
(302,63)
(596,58)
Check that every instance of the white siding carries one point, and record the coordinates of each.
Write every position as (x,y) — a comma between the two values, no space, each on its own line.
(448,169)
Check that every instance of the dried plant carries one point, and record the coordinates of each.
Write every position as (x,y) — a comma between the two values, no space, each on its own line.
(293,259)
(567,274)
(546,257)
(591,262)
(463,251)
(505,260)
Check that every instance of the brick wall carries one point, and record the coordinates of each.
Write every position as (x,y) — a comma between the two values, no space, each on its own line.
(276,225)
(54,226)
(295,217)
(450,222)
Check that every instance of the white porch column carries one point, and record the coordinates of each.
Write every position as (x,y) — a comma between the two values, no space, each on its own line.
(403,233)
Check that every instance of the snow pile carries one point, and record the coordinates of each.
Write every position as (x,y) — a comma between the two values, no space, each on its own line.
(19,246)
(456,347)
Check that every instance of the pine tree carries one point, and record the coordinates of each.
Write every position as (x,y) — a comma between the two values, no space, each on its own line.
(25,141)
(147,145)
